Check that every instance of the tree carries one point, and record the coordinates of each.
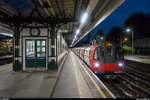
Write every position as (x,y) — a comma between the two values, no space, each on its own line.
(99,35)
(115,35)
(140,24)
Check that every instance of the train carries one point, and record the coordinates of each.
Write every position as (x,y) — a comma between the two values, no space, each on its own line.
(101,59)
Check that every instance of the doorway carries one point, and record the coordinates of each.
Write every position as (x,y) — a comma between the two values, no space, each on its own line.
(35,53)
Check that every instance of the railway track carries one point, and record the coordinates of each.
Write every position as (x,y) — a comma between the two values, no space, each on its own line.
(132,84)
(137,65)
(121,89)
(5,60)
(140,73)
(115,89)
(140,80)
(141,90)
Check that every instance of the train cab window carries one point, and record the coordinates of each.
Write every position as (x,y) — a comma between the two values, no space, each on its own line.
(119,53)
(99,53)
(109,51)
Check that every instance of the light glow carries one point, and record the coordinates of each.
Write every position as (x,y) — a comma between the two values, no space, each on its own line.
(84,18)
(120,64)
(108,44)
(97,65)
(77,32)
(102,38)
(128,30)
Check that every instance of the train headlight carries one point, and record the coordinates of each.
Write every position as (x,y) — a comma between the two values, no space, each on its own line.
(120,64)
(97,65)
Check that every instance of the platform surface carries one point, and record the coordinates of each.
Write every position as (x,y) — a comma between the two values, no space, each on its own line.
(138,58)
(7,56)
(71,83)
(27,84)
(72,80)
(76,81)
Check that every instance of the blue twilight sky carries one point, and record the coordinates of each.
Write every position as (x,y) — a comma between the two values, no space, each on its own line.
(118,17)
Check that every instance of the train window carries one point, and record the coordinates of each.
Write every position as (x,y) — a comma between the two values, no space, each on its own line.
(89,53)
(119,53)
(109,51)
(86,53)
(99,52)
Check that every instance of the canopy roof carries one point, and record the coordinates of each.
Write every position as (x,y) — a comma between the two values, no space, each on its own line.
(65,13)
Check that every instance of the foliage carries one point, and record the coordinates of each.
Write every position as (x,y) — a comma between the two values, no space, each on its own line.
(115,34)
(128,48)
(139,22)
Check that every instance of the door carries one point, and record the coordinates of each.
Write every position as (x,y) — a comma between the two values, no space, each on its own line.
(35,53)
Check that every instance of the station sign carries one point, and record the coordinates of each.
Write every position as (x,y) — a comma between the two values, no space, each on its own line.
(64,31)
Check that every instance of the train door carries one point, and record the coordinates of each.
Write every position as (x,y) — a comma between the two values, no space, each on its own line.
(35,53)
(109,58)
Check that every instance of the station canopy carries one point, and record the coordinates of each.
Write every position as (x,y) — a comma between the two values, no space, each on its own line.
(63,13)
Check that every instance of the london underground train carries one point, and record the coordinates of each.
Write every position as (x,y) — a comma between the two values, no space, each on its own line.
(105,59)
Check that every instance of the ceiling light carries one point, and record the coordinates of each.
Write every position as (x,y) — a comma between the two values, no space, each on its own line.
(84,18)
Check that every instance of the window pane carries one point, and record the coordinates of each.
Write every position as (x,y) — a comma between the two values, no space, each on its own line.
(41,48)
(119,53)
(38,43)
(30,49)
(109,51)
(99,52)
(43,43)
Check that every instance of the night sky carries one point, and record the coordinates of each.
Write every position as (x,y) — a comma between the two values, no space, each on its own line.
(118,17)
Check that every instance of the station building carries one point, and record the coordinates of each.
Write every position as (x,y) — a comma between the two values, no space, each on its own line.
(36,49)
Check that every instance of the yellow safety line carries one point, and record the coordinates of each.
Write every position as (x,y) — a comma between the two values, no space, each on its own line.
(98,88)
(77,75)
(4,68)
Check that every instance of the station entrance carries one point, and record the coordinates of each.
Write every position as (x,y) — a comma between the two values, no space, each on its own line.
(35,54)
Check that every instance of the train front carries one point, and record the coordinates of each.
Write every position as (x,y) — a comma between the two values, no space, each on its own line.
(108,59)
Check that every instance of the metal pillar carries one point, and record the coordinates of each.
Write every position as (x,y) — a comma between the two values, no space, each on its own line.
(16,59)
(60,44)
(132,42)
(53,63)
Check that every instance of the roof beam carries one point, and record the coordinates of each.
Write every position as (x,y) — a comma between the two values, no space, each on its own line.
(84,5)
(10,10)
(58,7)
(75,7)
(4,14)
(35,9)
(45,9)
(54,7)
(51,8)
(48,20)
(62,1)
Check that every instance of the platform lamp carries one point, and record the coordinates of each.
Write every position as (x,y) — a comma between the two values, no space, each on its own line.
(128,30)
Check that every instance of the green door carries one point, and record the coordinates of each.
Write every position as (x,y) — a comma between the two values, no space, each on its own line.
(35,56)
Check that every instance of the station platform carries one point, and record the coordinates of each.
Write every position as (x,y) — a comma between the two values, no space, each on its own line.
(72,80)
(4,60)
(77,81)
(7,56)
(138,58)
